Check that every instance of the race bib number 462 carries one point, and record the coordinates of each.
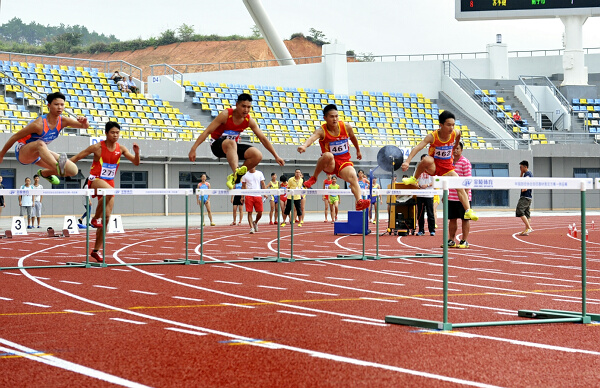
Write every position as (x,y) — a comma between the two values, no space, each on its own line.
(109,171)
(339,147)
(443,152)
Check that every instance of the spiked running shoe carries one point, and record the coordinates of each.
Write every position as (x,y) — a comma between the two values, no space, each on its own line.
(241,171)
(410,181)
(52,178)
(62,162)
(230,183)
(451,244)
(96,256)
(96,223)
(463,244)
(363,204)
(470,215)
(311,181)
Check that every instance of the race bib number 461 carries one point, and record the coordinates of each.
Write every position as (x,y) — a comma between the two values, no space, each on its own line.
(109,171)
(339,147)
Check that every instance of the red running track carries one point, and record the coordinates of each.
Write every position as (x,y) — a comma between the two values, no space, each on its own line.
(313,323)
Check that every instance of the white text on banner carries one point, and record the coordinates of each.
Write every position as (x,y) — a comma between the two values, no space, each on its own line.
(490,183)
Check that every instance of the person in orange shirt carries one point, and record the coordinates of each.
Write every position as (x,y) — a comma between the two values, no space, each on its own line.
(438,161)
(334,137)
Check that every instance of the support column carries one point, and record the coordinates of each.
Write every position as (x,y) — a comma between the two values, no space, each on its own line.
(573,59)
(336,68)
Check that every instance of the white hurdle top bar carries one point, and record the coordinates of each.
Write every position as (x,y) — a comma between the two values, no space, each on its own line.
(57,192)
(513,183)
(145,191)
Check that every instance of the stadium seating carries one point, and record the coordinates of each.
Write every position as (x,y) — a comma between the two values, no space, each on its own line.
(589,111)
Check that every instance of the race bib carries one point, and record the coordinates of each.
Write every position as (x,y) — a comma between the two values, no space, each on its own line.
(339,147)
(109,171)
(231,135)
(443,152)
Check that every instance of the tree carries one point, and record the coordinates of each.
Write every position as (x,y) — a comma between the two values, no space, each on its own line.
(185,32)
(317,36)
(167,37)
(256,32)
(65,42)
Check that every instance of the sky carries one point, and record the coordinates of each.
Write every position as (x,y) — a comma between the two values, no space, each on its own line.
(379,27)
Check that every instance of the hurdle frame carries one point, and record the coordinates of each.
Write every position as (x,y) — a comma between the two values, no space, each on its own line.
(55,192)
(541,316)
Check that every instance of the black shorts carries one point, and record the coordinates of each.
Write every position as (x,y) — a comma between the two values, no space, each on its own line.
(217,149)
(523,207)
(237,200)
(456,210)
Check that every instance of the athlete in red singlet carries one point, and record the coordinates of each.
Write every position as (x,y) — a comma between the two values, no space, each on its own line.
(334,137)
(107,157)
(225,131)
(439,160)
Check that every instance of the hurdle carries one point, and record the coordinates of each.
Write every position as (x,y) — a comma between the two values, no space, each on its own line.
(57,192)
(137,192)
(541,316)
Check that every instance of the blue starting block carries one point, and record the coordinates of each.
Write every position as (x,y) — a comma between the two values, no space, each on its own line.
(352,226)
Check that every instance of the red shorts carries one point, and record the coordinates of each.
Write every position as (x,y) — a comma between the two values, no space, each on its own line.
(441,170)
(92,178)
(255,203)
(339,165)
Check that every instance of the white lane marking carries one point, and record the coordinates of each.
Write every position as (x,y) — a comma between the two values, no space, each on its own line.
(332,278)
(496,280)
(500,294)
(441,288)
(144,292)
(39,277)
(225,282)
(78,312)
(503,313)
(107,287)
(122,270)
(388,283)
(273,288)
(441,306)
(434,274)
(571,301)
(70,366)
(128,321)
(237,305)
(295,274)
(3,298)
(187,277)
(378,299)
(315,264)
(296,313)
(321,293)
(365,322)
(537,273)
(37,305)
(186,331)
(553,285)
(41,260)
(186,298)
(69,282)
(12,273)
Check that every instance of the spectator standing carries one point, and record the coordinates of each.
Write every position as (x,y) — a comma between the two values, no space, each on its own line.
(294,182)
(26,203)
(37,201)
(203,200)
(375,205)
(425,204)
(273,199)
(456,210)
(2,204)
(238,203)
(334,200)
(283,198)
(253,180)
(524,204)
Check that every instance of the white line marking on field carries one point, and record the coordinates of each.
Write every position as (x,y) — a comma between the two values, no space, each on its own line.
(78,312)
(435,274)
(497,293)
(11,273)
(222,266)
(441,306)
(365,322)
(390,284)
(296,313)
(3,298)
(378,299)
(107,287)
(332,278)
(128,321)
(186,298)
(226,282)
(496,280)
(69,282)
(564,300)
(503,313)
(144,292)
(274,288)
(37,305)
(123,270)
(553,285)
(185,331)
(187,277)
(39,277)
(295,274)
(237,305)
(321,293)
(42,260)
(441,288)
(537,273)
(316,264)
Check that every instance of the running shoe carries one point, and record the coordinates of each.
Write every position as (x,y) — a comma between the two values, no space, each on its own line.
(526,232)
(62,162)
(283,224)
(96,223)
(255,226)
(463,244)
(420,233)
(311,181)
(271,223)
(410,181)
(52,178)
(451,244)
(432,233)
(363,204)
(96,256)
(213,224)
(470,215)
(241,171)
(230,181)
(251,230)
(300,223)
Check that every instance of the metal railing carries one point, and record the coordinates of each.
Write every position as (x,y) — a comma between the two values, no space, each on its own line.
(218,66)
(167,70)
(542,80)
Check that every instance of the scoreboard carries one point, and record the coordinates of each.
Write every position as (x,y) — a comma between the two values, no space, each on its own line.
(516,9)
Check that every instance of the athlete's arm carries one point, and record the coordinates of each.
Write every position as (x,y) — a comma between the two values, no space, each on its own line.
(31,128)
(264,141)
(354,140)
(95,149)
(457,141)
(426,140)
(317,134)
(216,123)
(79,122)
(135,159)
